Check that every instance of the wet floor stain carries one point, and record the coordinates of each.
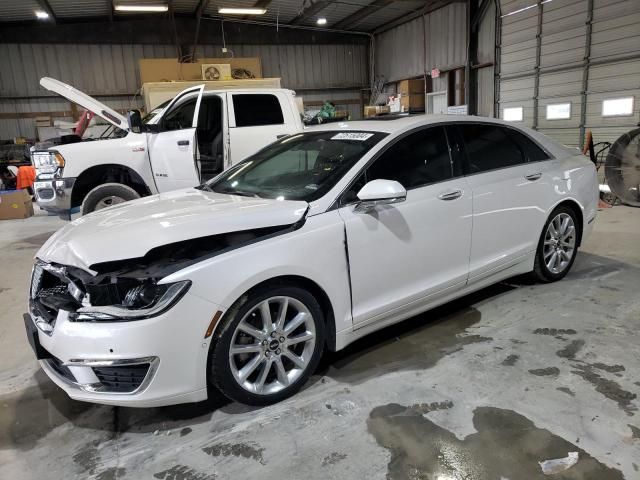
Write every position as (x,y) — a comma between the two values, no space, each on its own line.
(506,445)
(571,350)
(566,390)
(510,361)
(3,289)
(87,458)
(113,473)
(554,331)
(545,372)
(241,450)
(182,472)
(635,432)
(185,431)
(334,458)
(608,388)
(608,368)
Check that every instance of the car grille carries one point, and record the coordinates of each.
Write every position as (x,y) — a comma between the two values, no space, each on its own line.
(122,379)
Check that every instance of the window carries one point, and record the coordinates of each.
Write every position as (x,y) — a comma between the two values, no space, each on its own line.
(532,152)
(513,114)
(180,116)
(418,159)
(490,147)
(558,111)
(300,167)
(615,107)
(257,109)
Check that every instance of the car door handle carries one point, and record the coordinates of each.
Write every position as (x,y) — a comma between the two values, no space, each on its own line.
(532,177)
(183,143)
(452,195)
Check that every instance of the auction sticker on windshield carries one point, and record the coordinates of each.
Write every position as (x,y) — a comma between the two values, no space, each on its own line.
(359,136)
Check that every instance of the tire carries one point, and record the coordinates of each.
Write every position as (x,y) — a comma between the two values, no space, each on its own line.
(106,195)
(564,245)
(226,371)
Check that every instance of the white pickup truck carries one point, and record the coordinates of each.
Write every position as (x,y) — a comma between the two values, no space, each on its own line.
(182,143)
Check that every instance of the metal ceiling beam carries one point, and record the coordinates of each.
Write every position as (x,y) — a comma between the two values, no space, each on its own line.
(428,8)
(310,10)
(44,5)
(110,7)
(362,13)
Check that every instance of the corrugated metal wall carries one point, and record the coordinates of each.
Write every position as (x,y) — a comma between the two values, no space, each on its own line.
(587,51)
(333,72)
(437,40)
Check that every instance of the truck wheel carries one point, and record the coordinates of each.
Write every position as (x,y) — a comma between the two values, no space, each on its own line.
(105,195)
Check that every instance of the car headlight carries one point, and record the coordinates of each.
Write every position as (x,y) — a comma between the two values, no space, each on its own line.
(144,300)
(48,162)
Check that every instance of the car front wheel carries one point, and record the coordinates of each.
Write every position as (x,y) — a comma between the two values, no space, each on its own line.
(558,245)
(268,346)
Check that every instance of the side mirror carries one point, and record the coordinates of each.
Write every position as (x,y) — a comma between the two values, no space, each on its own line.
(135,121)
(380,192)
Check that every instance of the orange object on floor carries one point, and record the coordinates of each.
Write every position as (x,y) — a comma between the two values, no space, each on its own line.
(26,177)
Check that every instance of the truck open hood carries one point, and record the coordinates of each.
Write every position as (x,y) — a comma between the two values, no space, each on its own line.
(85,101)
(131,229)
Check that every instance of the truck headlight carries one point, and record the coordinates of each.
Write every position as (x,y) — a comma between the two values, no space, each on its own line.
(48,162)
(144,300)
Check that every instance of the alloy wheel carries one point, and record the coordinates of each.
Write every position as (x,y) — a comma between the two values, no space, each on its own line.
(272,345)
(559,243)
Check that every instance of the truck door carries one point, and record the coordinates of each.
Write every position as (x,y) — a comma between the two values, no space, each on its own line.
(173,150)
(256,120)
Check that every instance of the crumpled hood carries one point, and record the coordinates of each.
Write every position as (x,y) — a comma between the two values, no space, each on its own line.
(131,229)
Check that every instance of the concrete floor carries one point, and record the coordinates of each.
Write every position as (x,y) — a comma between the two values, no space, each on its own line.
(483,388)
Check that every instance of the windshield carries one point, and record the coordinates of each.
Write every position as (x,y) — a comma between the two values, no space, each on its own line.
(154,113)
(300,167)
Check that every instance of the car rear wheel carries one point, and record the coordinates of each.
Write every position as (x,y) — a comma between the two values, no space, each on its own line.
(106,195)
(268,346)
(558,245)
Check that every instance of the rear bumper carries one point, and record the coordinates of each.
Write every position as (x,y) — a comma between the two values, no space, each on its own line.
(54,195)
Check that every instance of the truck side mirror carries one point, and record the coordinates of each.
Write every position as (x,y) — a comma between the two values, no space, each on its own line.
(135,121)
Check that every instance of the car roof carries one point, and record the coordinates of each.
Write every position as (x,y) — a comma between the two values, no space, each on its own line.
(398,123)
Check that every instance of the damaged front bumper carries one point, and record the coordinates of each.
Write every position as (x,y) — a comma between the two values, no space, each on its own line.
(144,363)
(54,195)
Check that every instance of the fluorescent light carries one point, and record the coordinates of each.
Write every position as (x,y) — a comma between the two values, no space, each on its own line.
(140,7)
(242,11)
(321,21)
(41,15)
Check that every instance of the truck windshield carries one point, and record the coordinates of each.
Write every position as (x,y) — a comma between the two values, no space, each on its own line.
(154,113)
(300,167)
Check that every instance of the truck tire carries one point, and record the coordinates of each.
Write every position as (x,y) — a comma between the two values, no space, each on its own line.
(105,195)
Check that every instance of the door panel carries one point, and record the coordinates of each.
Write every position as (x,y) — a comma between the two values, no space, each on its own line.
(405,252)
(173,150)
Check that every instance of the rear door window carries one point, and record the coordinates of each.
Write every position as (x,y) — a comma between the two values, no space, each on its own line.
(490,147)
(532,152)
(252,110)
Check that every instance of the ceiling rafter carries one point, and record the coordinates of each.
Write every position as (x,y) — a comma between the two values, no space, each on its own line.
(46,7)
(361,14)
(110,8)
(310,10)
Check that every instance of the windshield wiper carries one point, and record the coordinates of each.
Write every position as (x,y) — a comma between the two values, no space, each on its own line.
(242,193)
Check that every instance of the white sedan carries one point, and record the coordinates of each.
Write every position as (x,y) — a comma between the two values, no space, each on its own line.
(313,242)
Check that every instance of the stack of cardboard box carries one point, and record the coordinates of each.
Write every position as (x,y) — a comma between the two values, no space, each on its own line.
(411,95)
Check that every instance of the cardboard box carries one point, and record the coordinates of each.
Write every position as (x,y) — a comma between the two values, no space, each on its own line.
(168,69)
(216,71)
(373,110)
(412,103)
(15,204)
(411,87)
